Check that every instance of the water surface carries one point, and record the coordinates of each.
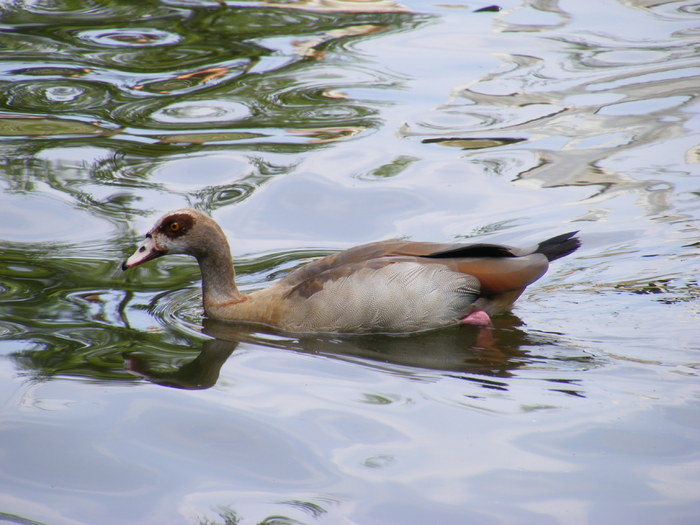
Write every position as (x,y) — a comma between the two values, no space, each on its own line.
(311,126)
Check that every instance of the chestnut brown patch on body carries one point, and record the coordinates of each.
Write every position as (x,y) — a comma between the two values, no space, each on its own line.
(176,225)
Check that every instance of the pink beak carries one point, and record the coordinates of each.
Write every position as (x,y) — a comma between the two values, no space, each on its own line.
(146,251)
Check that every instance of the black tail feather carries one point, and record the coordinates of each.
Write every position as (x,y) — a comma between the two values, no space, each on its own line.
(473,250)
(559,246)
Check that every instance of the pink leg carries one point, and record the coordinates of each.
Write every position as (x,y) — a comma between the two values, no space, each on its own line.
(477,318)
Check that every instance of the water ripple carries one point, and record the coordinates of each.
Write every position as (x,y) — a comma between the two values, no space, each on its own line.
(180,311)
(43,11)
(129,37)
(156,72)
(200,112)
(65,95)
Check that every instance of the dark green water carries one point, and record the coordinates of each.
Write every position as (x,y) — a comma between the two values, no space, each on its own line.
(307,127)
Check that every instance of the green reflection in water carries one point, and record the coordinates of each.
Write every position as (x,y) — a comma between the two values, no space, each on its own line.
(76,326)
(266,59)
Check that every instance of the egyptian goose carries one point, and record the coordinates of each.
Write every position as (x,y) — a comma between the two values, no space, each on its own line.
(389,286)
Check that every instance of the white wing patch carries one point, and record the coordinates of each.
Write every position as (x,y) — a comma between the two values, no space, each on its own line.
(399,297)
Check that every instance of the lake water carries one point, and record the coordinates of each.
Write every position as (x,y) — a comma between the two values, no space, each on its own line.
(305,127)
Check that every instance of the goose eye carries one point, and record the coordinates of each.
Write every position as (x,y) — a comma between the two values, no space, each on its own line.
(174,226)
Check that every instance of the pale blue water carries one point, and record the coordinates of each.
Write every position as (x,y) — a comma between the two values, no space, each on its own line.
(306,127)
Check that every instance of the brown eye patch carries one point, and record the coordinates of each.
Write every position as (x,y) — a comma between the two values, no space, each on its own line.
(176,225)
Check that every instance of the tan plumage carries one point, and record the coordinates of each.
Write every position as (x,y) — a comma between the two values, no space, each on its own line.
(390,286)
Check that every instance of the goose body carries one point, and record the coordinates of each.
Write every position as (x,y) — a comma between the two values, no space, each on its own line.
(389,286)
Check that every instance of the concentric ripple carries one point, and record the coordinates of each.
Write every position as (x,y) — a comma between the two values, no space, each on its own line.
(180,310)
(128,37)
(62,95)
(201,112)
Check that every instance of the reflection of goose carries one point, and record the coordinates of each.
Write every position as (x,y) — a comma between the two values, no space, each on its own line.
(390,286)
(487,351)
(198,374)
(485,356)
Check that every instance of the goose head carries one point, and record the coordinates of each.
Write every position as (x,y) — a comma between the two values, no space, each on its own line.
(184,231)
